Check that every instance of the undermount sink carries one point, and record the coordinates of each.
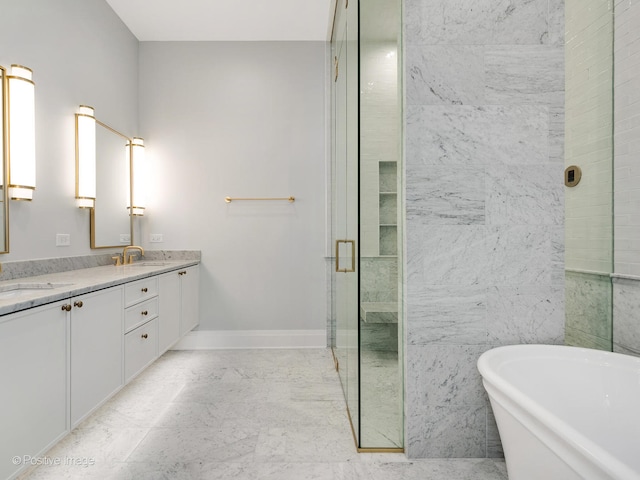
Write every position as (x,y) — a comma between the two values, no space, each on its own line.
(18,289)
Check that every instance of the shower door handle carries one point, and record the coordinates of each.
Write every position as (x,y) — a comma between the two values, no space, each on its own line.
(353,256)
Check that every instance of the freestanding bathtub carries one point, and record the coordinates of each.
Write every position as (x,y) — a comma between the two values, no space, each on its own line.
(564,412)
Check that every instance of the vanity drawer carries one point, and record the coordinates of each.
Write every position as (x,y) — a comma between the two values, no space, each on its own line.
(135,292)
(140,348)
(140,313)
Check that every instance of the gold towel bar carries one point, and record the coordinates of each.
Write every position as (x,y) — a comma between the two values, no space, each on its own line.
(289,199)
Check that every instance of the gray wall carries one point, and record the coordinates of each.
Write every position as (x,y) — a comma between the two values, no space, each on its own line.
(626,288)
(243,119)
(484,205)
(240,119)
(80,53)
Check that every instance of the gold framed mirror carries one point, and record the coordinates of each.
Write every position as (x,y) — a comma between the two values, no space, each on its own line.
(4,135)
(111,224)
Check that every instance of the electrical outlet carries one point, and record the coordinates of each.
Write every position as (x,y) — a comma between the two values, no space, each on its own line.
(125,238)
(156,238)
(63,240)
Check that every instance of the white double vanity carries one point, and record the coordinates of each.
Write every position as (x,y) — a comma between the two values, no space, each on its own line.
(70,340)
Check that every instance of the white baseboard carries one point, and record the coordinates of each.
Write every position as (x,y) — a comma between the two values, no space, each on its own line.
(227,339)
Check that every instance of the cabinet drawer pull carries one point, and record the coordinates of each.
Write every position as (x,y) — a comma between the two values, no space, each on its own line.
(66,308)
(182,273)
(144,312)
(144,290)
(78,304)
(145,335)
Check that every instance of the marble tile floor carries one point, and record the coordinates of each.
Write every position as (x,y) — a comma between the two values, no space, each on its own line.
(236,414)
(380,391)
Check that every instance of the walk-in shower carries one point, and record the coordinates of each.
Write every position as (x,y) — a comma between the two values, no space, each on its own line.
(367,220)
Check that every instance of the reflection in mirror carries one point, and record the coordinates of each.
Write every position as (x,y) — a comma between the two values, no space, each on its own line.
(110,220)
(85,157)
(4,205)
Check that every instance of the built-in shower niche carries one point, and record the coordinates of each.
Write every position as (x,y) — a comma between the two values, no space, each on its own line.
(388,208)
(379,274)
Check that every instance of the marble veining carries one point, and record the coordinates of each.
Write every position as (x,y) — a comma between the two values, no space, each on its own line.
(446,315)
(43,266)
(588,309)
(477,135)
(494,445)
(81,281)
(473,22)
(556,134)
(579,338)
(525,74)
(447,431)
(379,279)
(439,195)
(484,258)
(519,255)
(30,268)
(556,23)
(186,418)
(445,374)
(173,255)
(381,414)
(513,195)
(446,254)
(626,304)
(445,75)
(525,315)
(557,254)
(388,240)
(379,337)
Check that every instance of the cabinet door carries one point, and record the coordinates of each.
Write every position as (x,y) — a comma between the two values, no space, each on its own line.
(140,348)
(96,350)
(33,375)
(169,311)
(190,290)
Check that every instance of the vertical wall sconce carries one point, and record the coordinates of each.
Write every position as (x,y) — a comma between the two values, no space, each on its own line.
(85,157)
(138,180)
(3,139)
(22,133)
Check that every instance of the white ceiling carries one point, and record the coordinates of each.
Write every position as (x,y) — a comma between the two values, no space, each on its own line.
(226,20)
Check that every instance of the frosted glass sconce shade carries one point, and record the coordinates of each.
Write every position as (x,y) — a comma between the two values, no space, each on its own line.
(85,157)
(3,140)
(22,134)
(138,179)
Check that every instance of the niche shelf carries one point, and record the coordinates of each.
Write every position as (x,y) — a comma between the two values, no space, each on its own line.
(388,209)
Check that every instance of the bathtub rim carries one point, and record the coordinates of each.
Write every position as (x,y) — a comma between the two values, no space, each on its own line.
(578,450)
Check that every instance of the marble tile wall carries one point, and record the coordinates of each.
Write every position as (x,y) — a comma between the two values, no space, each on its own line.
(484,261)
(588,300)
(379,279)
(626,325)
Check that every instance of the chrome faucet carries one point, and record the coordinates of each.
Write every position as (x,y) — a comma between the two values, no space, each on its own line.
(129,260)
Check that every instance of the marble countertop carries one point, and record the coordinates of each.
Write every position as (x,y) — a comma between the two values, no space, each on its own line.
(77,282)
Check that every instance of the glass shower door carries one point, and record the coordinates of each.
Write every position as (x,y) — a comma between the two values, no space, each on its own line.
(589,133)
(366,213)
(381,386)
(345,206)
